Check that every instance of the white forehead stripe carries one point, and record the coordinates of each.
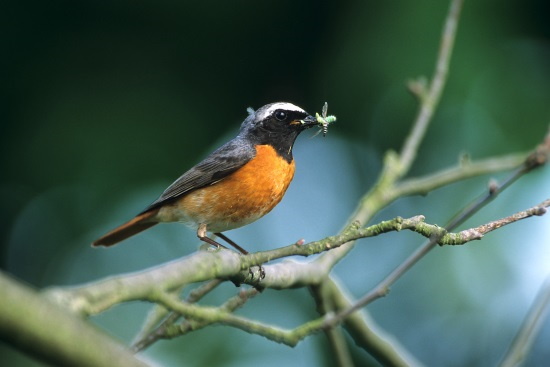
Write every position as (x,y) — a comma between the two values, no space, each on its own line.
(279,106)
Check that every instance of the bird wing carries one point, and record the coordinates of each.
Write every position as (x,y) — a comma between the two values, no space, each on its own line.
(214,168)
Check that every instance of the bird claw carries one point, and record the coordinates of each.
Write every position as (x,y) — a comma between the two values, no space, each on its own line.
(260,270)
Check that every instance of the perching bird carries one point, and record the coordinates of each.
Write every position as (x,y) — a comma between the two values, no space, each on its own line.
(235,185)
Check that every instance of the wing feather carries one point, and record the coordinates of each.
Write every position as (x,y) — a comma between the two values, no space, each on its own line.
(214,168)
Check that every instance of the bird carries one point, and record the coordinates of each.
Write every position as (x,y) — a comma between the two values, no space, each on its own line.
(235,185)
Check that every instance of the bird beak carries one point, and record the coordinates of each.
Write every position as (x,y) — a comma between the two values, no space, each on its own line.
(309,121)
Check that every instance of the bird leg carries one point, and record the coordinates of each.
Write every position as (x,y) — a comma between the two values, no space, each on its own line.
(244,252)
(201,234)
(231,242)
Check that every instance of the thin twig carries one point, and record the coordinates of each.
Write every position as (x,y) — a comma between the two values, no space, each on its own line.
(524,339)
(172,331)
(397,166)
(200,316)
(430,99)
(150,334)
(364,330)
(339,347)
(464,170)
(383,287)
(478,232)
(335,336)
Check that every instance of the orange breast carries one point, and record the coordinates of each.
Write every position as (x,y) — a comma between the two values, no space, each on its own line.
(239,199)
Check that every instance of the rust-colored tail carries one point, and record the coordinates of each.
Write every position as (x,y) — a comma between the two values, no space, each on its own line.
(128,229)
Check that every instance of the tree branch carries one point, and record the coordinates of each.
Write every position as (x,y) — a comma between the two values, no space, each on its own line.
(464,170)
(148,284)
(201,316)
(429,99)
(96,297)
(365,332)
(397,166)
(44,330)
(478,232)
(533,322)
(437,235)
(153,330)
(335,336)
(169,329)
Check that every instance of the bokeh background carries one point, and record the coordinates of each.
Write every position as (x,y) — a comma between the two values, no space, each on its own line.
(103,104)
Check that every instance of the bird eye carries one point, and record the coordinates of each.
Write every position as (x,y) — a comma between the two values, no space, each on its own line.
(280,115)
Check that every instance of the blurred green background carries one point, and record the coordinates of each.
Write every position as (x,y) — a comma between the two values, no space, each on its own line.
(105,103)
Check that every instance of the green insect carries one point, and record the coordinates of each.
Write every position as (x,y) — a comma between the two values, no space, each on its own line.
(323,120)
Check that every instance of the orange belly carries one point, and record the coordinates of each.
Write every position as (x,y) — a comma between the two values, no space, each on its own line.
(237,200)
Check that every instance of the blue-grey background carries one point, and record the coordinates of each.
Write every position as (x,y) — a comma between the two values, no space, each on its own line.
(103,104)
